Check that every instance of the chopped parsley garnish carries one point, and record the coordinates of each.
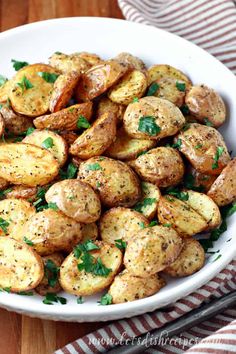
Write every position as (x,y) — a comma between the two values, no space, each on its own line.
(98,184)
(4,225)
(168,224)
(80,300)
(207,122)
(142,225)
(6,191)
(177,193)
(93,167)
(218,154)
(184,109)
(7,289)
(169,198)
(30,131)
(105,300)
(219,255)
(142,153)
(51,272)
(143,204)
(177,145)
(153,223)
(52,206)
(152,89)
(186,127)
(26,293)
(17,65)
(58,53)
(181,86)
(198,146)
(3,80)
(70,173)
(135,99)
(148,125)
(82,122)
(24,84)
(50,298)
(47,143)
(48,77)
(120,244)
(27,241)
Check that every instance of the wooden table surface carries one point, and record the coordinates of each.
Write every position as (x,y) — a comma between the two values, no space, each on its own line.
(21,334)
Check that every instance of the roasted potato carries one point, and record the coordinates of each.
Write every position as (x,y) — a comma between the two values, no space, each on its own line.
(162,166)
(3,183)
(91,58)
(175,213)
(223,190)
(105,105)
(123,189)
(68,63)
(189,261)
(51,141)
(96,139)
(30,93)
(99,79)
(50,283)
(81,283)
(75,199)
(121,224)
(152,118)
(128,287)
(14,213)
(22,192)
(21,269)
(130,60)
(68,136)
(151,250)
(14,123)
(5,91)
(197,179)
(66,119)
(161,71)
(89,232)
(205,103)
(2,125)
(62,91)
(204,147)
(132,85)
(167,88)
(149,202)
(51,231)
(27,164)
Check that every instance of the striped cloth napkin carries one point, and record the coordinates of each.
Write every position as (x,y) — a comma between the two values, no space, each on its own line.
(210,24)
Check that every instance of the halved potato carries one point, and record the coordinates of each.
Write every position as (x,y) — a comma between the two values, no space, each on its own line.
(27,164)
(223,190)
(14,213)
(30,93)
(66,119)
(75,199)
(98,79)
(96,139)
(3,183)
(21,269)
(160,71)
(22,192)
(121,223)
(14,123)
(189,261)
(105,105)
(133,84)
(175,213)
(130,60)
(89,232)
(62,90)
(68,63)
(81,283)
(50,231)
(91,58)
(149,202)
(128,287)
(151,250)
(5,90)
(56,144)
(167,89)
(115,182)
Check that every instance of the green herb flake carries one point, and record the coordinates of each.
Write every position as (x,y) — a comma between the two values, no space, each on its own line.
(17,65)
(3,80)
(105,300)
(4,225)
(26,293)
(152,89)
(143,204)
(218,154)
(169,198)
(27,241)
(24,84)
(142,225)
(135,99)
(181,86)
(184,109)
(177,193)
(153,223)
(142,153)
(219,256)
(148,125)
(93,167)
(198,146)
(51,298)
(6,191)
(98,185)
(30,130)
(177,145)
(82,122)
(207,122)
(48,77)
(58,53)
(47,143)
(51,272)
(120,244)
(7,289)
(167,224)
(186,127)
(52,206)
(80,300)
(70,173)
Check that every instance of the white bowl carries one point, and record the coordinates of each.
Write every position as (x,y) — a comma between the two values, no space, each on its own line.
(107,37)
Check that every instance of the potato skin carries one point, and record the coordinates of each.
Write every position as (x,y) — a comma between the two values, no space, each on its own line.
(22,192)
(81,283)
(105,105)
(2,125)
(160,71)
(3,183)
(201,179)
(128,287)
(5,90)
(68,63)
(204,102)
(121,223)
(51,231)
(19,276)
(68,136)
(152,192)
(223,190)
(75,199)
(151,250)
(89,232)
(167,116)
(130,60)
(190,260)
(96,139)
(14,123)
(91,58)
(66,119)
(199,144)
(162,166)
(167,89)
(123,190)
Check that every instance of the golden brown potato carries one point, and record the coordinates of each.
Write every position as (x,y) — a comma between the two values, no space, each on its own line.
(204,147)
(205,103)
(76,161)
(27,164)
(22,192)
(130,60)
(14,123)
(167,89)
(105,105)
(66,119)
(152,118)
(30,93)
(223,190)
(151,250)
(91,58)
(128,287)
(68,136)
(162,166)
(5,90)
(149,202)
(133,84)
(14,214)
(50,283)
(3,183)
(126,148)
(51,141)
(96,139)
(121,190)
(175,213)
(89,232)
(62,90)
(198,179)
(2,125)
(189,261)
(75,199)
(21,269)
(68,63)
(50,231)
(81,283)
(160,71)
(98,79)
(121,224)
